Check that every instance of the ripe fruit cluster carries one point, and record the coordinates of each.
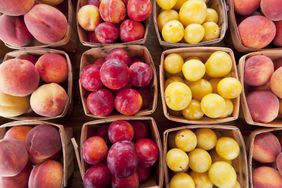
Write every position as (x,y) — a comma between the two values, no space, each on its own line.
(263,76)
(107,21)
(116,74)
(129,159)
(20,85)
(206,89)
(201,159)
(268,22)
(267,159)
(193,23)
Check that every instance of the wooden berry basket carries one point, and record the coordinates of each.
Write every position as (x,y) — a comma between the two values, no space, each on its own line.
(83,37)
(132,50)
(203,53)
(218,5)
(272,54)
(68,43)
(156,181)
(67,85)
(239,164)
(66,134)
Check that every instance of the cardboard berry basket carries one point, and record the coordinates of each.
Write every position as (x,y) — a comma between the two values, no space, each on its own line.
(239,164)
(133,50)
(218,5)
(82,34)
(68,43)
(67,85)
(66,134)
(203,53)
(272,54)
(156,180)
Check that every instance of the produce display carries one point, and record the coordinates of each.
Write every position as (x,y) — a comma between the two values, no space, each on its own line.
(201,158)
(265,16)
(121,154)
(118,82)
(30,157)
(197,87)
(262,79)
(114,21)
(187,21)
(34,83)
(32,21)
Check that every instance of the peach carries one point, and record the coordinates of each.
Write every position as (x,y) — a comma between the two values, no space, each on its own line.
(263,106)
(244,7)
(13,157)
(15,7)
(113,11)
(18,77)
(139,10)
(46,23)
(106,33)
(52,68)
(14,31)
(18,133)
(28,57)
(51,2)
(42,143)
(258,70)
(88,17)
(271,9)
(131,30)
(11,106)
(47,174)
(49,100)
(266,147)
(275,82)
(277,63)
(278,37)
(279,163)
(266,177)
(261,36)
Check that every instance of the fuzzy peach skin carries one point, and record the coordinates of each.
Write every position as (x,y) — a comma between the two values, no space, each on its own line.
(277,41)
(14,31)
(52,68)
(48,174)
(266,177)
(276,83)
(246,7)
(18,77)
(261,36)
(18,133)
(15,7)
(113,11)
(49,100)
(13,157)
(46,23)
(271,9)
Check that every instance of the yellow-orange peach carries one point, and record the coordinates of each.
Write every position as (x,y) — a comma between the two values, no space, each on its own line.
(276,82)
(18,133)
(266,177)
(246,8)
(15,7)
(271,9)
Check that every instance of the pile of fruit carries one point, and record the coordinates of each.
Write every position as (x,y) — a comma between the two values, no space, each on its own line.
(201,159)
(264,78)
(268,22)
(23,21)
(33,81)
(207,89)
(129,78)
(29,157)
(267,151)
(107,21)
(129,159)
(193,23)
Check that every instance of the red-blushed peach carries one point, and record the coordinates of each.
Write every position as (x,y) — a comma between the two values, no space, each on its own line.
(15,7)
(48,174)
(277,41)
(266,147)
(266,177)
(141,74)
(277,63)
(246,7)
(271,9)
(90,77)
(14,31)
(131,30)
(88,17)
(28,57)
(97,176)
(113,11)
(263,106)
(52,68)
(106,33)
(258,70)
(18,133)
(46,23)
(42,143)
(276,82)
(49,100)
(18,77)
(261,36)
(128,102)
(139,10)
(120,54)
(279,163)
(131,181)
(13,157)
